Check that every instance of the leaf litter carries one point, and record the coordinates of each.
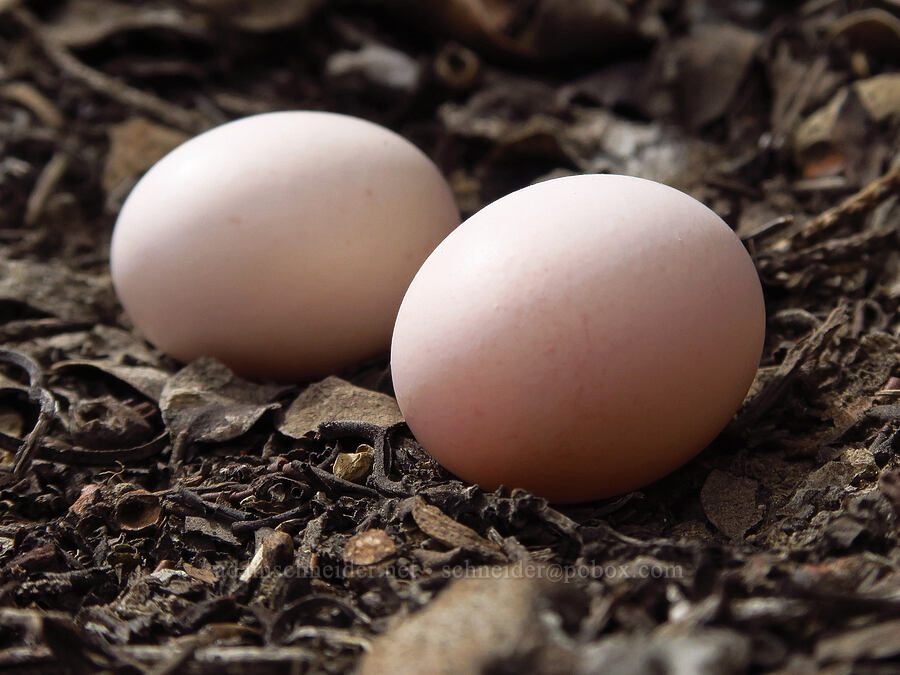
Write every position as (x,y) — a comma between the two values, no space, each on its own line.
(157,516)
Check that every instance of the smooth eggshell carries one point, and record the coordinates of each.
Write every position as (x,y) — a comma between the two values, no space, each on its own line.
(280,243)
(578,338)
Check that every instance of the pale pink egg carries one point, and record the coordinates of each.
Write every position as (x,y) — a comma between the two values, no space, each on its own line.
(280,243)
(580,338)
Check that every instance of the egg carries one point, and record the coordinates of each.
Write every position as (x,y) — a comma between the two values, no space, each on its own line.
(281,243)
(578,338)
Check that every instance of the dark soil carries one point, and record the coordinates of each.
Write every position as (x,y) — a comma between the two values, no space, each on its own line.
(159,517)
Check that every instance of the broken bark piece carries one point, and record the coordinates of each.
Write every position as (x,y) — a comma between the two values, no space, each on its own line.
(369,547)
(137,509)
(210,529)
(435,523)
(273,548)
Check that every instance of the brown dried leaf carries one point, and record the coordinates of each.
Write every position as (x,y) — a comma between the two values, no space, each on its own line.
(473,625)
(55,290)
(435,523)
(201,574)
(211,529)
(836,137)
(712,62)
(135,145)
(106,422)
(730,503)
(369,547)
(335,399)
(880,96)
(147,380)
(207,402)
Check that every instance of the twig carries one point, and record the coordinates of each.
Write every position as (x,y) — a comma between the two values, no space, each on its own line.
(379,438)
(768,227)
(330,482)
(245,526)
(83,456)
(209,508)
(46,183)
(864,200)
(169,113)
(38,394)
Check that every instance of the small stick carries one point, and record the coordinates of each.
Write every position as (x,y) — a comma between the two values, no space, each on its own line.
(169,113)
(244,526)
(192,499)
(41,396)
(44,187)
(334,484)
(864,200)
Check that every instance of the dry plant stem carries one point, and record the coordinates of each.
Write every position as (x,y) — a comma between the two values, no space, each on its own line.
(246,526)
(83,456)
(194,500)
(41,396)
(164,111)
(331,483)
(376,436)
(864,200)
(54,170)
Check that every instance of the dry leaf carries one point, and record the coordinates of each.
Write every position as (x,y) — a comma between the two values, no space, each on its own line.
(730,503)
(473,625)
(135,145)
(201,574)
(334,399)
(207,402)
(54,290)
(712,63)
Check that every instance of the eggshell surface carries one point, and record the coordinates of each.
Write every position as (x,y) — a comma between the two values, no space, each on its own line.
(280,243)
(579,338)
